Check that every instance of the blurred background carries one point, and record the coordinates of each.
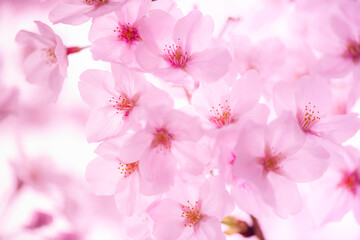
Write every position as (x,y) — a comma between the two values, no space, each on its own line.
(43,148)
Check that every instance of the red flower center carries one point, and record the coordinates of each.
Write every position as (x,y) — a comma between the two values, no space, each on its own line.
(96,2)
(353,51)
(127,33)
(350,181)
(176,56)
(123,104)
(162,139)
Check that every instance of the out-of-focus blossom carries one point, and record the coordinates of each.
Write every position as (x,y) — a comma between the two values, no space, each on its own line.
(339,190)
(39,219)
(341,45)
(76,12)
(8,101)
(45,63)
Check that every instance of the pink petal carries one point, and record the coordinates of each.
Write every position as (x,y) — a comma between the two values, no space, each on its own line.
(284,135)
(246,92)
(129,148)
(284,99)
(166,214)
(249,199)
(128,81)
(248,168)
(333,66)
(208,65)
(97,87)
(158,168)
(338,128)
(156,30)
(133,10)
(194,31)
(103,123)
(191,161)
(307,164)
(103,175)
(103,27)
(146,59)
(127,195)
(341,28)
(288,199)
(69,13)
(110,49)
(214,199)
(209,228)
(307,91)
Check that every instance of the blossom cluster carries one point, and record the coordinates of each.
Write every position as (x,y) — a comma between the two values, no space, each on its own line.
(193,125)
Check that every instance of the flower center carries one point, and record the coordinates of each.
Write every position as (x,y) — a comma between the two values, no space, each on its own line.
(96,2)
(127,33)
(176,56)
(353,51)
(128,169)
(49,55)
(350,181)
(191,214)
(123,104)
(308,118)
(162,139)
(221,115)
(271,162)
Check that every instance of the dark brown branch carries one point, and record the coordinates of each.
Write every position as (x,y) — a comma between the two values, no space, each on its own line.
(237,226)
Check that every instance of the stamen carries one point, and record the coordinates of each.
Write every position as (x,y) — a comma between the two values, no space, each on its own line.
(96,2)
(176,56)
(221,115)
(128,169)
(162,139)
(350,181)
(123,104)
(308,118)
(49,55)
(352,51)
(127,33)
(191,214)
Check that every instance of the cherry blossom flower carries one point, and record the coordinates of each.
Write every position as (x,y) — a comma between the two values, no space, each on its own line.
(76,12)
(272,158)
(116,35)
(169,138)
(338,191)
(45,62)
(118,100)
(173,49)
(341,45)
(222,105)
(311,109)
(200,219)
(110,176)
